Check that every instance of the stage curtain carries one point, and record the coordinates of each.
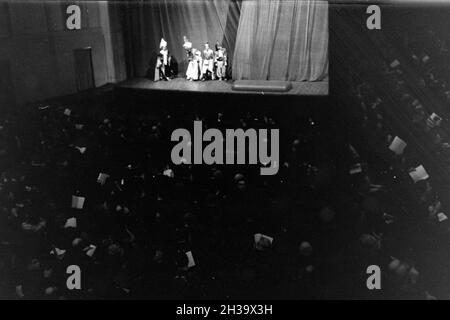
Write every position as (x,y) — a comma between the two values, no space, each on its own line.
(282,40)
(199,20)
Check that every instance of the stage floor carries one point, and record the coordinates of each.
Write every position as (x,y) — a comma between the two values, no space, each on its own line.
(182,85)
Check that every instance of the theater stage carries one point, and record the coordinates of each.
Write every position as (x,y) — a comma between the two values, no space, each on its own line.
(182,85)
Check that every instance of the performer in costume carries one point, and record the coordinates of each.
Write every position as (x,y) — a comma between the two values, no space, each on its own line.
(220,59)
(208,63)
(194,70)
(216,48)
(190,72)
(187,45)
(162,62)
(197,69)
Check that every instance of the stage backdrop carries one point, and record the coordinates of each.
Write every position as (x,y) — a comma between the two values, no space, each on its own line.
(282,40)
(265,39)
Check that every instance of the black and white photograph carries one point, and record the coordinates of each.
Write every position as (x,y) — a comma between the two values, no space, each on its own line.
(224,154)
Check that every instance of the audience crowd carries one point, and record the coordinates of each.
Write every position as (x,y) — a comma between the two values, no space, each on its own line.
(401,109)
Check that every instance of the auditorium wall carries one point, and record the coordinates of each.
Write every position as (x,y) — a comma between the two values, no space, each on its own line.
(38,49)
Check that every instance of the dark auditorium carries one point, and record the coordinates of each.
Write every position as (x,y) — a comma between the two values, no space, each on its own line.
(224,150)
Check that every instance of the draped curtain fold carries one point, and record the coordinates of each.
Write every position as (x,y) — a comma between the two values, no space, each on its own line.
(282,40)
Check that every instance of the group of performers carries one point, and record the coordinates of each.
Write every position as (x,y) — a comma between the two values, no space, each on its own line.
(206,65)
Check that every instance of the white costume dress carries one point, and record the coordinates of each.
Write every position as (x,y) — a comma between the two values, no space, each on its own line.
(190,72)
(194,68)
